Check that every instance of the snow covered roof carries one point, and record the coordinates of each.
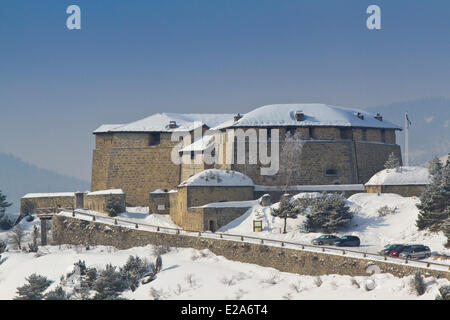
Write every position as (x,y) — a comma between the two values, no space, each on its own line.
(48,195)
(200,145)
(159,122)
(218,178)
(314,114)
(407,176)
(103,192)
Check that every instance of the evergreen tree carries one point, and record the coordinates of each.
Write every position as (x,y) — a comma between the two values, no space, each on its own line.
(2,246)
(57,294)
(109,284)
(444,293)
(134,269)
(3,204)
(392,163)
(419,283)
(286,210)
(114,206)
(434,206)
(328,213)
(34,289)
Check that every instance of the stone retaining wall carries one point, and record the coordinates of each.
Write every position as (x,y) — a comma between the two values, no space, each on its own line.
(74,231)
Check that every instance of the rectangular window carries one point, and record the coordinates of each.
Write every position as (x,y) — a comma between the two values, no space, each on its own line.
(346,133)
(364,134)
(154,139)
(383,135)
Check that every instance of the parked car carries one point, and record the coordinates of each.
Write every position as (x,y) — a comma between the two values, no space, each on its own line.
(392,250)
(325,239)
(417,251)
(348,241)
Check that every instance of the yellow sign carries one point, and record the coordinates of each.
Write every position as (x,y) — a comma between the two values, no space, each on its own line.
(257,225)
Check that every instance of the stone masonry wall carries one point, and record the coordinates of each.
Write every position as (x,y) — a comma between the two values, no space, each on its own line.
(49,202)
(73,231)
(403,190)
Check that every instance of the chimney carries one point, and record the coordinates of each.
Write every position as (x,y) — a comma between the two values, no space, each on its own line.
(299,116)
(172,124)
(360,115)
(379,117)
(237,117)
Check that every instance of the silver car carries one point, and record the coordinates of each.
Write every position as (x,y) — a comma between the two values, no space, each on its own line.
(325,239)
(416,251)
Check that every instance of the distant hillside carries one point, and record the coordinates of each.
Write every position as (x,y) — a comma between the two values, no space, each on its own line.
(18,178)
(429,134)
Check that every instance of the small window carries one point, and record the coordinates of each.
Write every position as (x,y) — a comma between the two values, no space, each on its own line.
(154,139)
(364,134)
(192,155)
(331,172)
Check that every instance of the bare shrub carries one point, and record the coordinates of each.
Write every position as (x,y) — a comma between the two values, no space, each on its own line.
(273,279)
(287,296)
(239,294)
(386,210)
(190,279)
(178,290)
(318,281)
(156,294)
(296,287)
(159,250)
(355,283)
(17,235)
(228,281)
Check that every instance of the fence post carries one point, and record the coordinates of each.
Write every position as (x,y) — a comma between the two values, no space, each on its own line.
(73,213)
(115,222)
(343,251)
(93,218)
(323,249)
(262,241)
(137,226)
(428,265)
(157,228)
(406,261)
(220,236)
(178,231)
(364,255)
(242,238)
(303,247)
(385,258)
(199,234)
(282,244)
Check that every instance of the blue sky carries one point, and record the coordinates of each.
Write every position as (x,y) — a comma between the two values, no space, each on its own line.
(135,58)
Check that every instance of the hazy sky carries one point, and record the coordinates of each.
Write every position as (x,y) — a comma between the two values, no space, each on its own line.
(135,58)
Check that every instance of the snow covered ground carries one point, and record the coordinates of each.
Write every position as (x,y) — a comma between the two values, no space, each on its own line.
(193,274)
(373,230)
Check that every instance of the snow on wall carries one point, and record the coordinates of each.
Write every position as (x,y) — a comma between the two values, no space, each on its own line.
(103,192)
(48,195)
(407,176)
(219,178)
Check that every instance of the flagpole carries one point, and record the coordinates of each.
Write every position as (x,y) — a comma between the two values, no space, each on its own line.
(406,140)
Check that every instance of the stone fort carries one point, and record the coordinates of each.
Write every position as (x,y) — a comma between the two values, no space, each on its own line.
(164,161)
(338,146)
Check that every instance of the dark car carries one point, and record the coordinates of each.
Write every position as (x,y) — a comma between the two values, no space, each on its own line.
(325,239)
(391,247)
(348,241)
(418,251)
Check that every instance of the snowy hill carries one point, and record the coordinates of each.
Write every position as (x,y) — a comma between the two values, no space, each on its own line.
(190,274)
(374,230)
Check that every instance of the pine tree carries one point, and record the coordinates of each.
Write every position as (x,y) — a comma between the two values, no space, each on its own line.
(286,210)
(392,163)
(444,293)
(3,204)
(109,284)
(328,213)
(57,294)
(2,246)
(434,205)
(34,289)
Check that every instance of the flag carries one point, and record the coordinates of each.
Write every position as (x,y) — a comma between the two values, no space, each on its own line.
(408,122)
